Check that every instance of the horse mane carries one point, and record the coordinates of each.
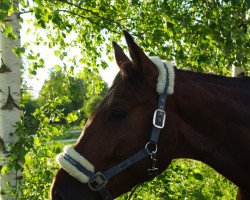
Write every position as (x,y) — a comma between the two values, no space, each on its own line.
(228,82)
(236,83)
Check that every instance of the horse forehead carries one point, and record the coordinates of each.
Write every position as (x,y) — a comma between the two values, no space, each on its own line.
(118,94)
(127,91)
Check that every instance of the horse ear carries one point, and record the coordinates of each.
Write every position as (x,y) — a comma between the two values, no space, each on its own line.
(120,56)
(136,53)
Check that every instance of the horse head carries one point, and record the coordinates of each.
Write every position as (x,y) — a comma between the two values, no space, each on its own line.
(119,127)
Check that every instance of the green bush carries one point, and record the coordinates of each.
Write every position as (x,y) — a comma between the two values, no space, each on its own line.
(187,180)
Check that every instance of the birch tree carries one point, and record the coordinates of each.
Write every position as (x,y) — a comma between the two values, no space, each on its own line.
(10,81)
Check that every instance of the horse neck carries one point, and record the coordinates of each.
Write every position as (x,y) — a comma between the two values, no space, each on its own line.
(211,123)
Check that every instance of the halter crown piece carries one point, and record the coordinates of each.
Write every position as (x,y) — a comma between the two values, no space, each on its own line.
(81,169)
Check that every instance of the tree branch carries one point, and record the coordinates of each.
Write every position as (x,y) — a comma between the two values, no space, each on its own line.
(81,8)
(90,19)
(25,12)
(96,14)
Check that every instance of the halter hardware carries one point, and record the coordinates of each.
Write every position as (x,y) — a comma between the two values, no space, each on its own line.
(153,171)
(151,148)
(159,118)
(97,181)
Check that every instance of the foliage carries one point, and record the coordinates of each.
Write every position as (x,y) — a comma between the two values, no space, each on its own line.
(71,91)
(186,179)
(91,104)
(206,36)
(63,86)
(29,105)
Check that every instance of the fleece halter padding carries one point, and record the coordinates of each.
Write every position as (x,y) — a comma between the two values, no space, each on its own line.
(162,78)
(71,169)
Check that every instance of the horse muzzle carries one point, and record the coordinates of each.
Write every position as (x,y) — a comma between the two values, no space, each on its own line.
(69,188)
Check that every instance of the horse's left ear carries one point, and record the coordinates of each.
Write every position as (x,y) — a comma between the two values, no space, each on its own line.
(139,58)
(120,56)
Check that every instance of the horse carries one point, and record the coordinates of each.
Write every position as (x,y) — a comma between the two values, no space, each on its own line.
(154,113)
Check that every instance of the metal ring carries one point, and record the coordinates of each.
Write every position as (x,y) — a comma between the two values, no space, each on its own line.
(151,147)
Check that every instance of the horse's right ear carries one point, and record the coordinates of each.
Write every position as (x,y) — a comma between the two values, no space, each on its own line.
(120,56)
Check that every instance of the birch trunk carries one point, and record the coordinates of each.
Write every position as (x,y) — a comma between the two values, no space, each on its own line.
(10,82)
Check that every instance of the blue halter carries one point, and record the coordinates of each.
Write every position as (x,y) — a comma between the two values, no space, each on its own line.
(98,181)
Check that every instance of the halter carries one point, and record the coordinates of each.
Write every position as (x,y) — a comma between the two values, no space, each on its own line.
(81,169)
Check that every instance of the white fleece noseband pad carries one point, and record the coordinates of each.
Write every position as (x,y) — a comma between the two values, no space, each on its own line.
(71,169)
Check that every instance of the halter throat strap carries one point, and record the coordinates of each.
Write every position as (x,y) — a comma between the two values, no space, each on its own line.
(98,181)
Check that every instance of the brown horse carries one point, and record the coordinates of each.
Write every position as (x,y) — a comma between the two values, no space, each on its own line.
(207,120)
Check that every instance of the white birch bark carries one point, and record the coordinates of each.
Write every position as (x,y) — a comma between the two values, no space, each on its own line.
(10,82)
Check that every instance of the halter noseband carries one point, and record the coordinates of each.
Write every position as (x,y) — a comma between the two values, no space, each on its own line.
(81,169)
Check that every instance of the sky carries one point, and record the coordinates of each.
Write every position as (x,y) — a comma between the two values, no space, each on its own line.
(36,82)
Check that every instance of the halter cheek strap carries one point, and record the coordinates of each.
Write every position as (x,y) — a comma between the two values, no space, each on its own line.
(81,169)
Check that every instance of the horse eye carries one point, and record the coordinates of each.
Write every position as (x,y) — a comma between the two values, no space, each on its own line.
(118,113)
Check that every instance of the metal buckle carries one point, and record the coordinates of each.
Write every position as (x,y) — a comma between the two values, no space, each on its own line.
(159,118)
(97,181)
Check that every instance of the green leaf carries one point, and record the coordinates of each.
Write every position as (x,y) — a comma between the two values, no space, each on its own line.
(19,51)
(248,3)
(57,67)
(5,169)
(5,5)
(57,53)
(71,117)
(218,193)
(198,176)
